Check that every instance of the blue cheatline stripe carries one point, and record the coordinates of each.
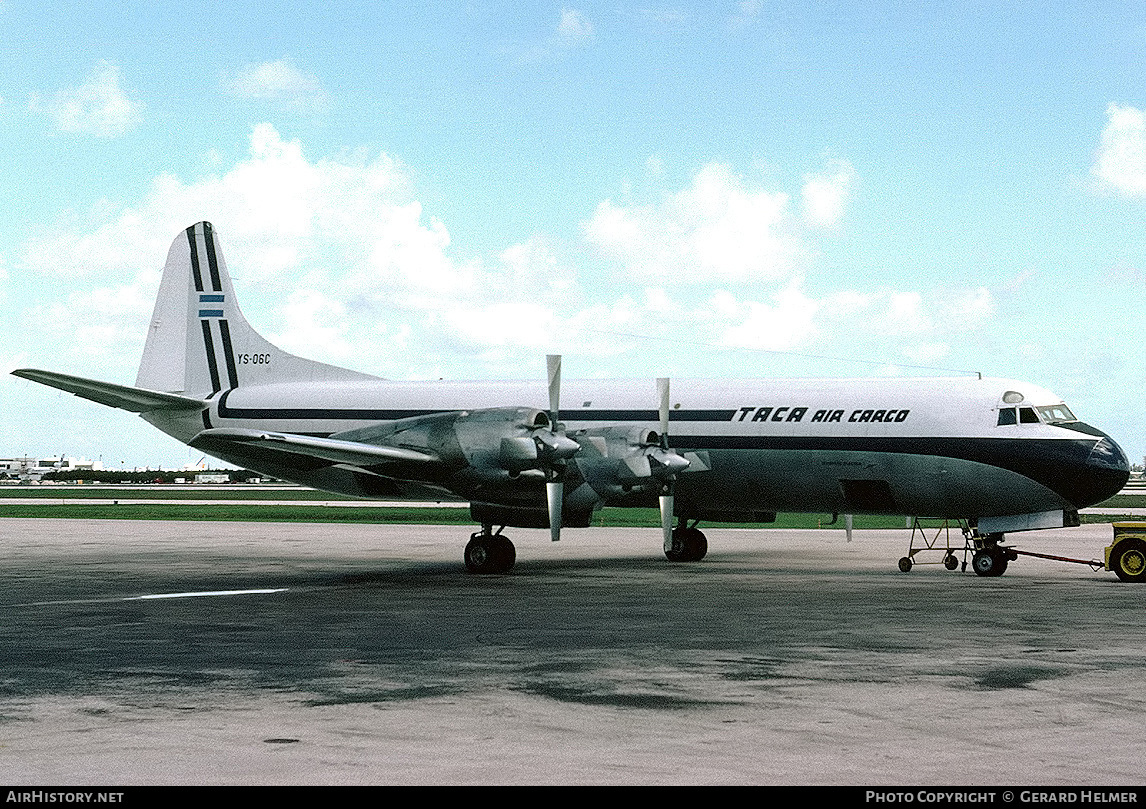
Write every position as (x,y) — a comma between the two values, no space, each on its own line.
(210,299)
(210,313)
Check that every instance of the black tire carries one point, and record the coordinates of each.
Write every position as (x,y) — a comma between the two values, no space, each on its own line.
(489,554)
(905,564)
(688,545)
(1128,560)
(950,561)
(989,562)
(505,552)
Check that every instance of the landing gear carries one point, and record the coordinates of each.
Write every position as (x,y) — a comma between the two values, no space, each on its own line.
(989,562)
(990,559)
(689,544)
(489,552)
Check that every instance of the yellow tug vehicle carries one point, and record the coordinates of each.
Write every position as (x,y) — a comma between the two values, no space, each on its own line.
(1127,556)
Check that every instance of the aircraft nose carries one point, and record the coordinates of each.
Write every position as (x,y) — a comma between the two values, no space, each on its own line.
(1107,468)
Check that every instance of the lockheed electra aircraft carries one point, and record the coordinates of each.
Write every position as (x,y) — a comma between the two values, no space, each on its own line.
(997,455)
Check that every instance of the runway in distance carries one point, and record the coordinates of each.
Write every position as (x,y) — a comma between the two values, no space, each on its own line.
(999,455)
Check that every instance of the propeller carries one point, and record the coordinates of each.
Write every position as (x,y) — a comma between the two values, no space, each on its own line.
(666,498)
(557,447)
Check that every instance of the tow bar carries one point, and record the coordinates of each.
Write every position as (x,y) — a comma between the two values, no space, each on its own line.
(1093,564)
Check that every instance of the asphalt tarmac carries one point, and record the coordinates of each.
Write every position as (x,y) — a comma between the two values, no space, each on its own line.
(226,653)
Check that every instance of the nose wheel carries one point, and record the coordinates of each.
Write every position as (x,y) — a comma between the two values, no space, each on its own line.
(989,563)
(990,559)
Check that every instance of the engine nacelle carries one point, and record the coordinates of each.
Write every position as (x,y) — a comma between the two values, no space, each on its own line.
(626,466)
(501,442)
(501,454)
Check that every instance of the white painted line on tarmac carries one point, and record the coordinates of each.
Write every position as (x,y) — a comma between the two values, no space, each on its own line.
(154,597)
(206,593)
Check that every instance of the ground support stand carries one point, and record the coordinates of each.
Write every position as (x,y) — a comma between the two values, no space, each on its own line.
(936,538)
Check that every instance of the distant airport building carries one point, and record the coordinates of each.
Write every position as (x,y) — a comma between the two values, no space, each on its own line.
(29,468)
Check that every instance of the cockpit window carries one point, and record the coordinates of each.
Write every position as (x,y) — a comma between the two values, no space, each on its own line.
(1018,415)
(1057,414)
(1052,414)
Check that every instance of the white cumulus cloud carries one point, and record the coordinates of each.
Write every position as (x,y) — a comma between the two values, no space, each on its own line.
(100,106)
(282,83)
(1120,164)
(715,230)
(333,258)
(825,196)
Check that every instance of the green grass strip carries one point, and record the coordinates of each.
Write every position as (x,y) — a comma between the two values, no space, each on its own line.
(196,506)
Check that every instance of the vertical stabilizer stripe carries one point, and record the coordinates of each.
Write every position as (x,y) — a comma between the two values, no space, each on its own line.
(198,276)
(212,365)
(229,354)
(212,259)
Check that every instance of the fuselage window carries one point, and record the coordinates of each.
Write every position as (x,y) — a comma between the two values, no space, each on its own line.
(1007,416)
(1027,415)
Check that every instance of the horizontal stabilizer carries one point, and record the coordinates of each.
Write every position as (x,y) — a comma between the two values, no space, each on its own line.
(328,449)
(137,400)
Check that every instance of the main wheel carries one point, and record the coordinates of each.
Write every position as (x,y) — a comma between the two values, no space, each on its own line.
(505,552)
(489,553)
(1128,560)
(688,545)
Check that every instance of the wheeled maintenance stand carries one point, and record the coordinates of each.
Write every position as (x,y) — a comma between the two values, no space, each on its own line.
(939,540)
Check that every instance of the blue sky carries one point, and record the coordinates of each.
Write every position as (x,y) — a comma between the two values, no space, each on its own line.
(454,190)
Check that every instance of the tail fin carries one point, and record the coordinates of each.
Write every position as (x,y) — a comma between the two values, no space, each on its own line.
(200,343)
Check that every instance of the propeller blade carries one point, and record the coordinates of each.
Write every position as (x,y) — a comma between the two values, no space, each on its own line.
(663,393)
(554,495)
(560,447)
(672,463)
(553,361)
(666,504)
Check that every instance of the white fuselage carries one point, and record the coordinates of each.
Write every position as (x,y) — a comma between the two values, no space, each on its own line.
(927,447)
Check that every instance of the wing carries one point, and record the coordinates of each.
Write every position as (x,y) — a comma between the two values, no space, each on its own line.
(353,453)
